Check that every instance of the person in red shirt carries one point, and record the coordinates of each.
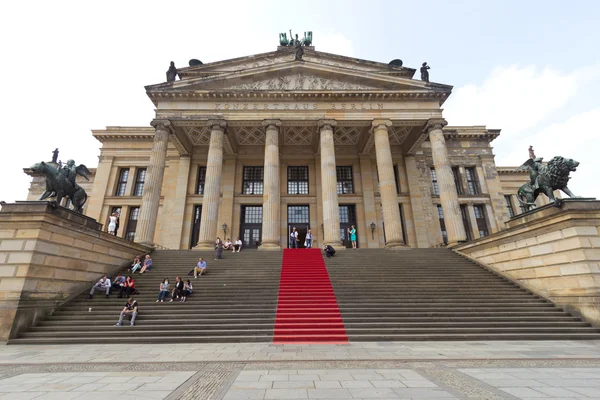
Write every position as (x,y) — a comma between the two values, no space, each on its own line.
(128,287)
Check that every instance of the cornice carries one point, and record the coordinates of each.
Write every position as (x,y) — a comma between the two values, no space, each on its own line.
(364,95)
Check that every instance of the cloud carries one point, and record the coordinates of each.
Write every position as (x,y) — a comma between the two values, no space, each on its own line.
(536,106)
(576,138)
(512,98)
(335,43)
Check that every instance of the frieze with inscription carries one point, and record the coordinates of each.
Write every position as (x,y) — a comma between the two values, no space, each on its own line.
(298,106)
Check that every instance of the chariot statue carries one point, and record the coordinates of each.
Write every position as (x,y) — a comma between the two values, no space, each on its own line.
(60,182)
(307,39)
(283,40)
(545,178)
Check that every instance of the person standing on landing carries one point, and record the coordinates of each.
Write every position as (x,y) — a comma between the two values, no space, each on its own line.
(294,239)
(219,248)
(352,232)
(308,240)
(112,224)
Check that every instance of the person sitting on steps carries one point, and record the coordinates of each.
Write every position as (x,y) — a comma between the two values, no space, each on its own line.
(177,290)
(200,268)
(147,264)
(130,311)
(237,247)
(118,282)
(103,284)
(187,290)
(163,290)
(136,265)
(227,245)
(128,288)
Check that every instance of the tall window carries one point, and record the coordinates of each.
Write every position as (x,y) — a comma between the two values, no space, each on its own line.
(457,180)
(434,182)
(122,183)
(464,213)
(253,180)
(481,222)
(201,180)
(134,213)
(442,224)
(509,206)
(345,185)
(298,214)
(297,180)
(397,178)
(140,178)
(472,186)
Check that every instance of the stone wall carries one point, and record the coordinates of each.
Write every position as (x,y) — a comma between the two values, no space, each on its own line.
(554,252)
(49,255)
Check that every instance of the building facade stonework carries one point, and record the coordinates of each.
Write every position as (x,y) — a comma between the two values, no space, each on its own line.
(253,146)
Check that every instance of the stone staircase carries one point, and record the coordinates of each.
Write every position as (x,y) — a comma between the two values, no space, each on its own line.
(435,294)
(419,294)
(235,301)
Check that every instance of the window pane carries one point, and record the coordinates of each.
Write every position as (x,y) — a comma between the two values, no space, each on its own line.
(509,207)
(253,214)
(297,180)
(472,186)
(122,182)
(434,183)
(253,180)
(201,180)
(298,214)
(345,184)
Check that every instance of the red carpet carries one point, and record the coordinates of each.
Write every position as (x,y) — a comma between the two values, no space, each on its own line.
(307,310)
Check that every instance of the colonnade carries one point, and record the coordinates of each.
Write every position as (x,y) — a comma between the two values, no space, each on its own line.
(271,193)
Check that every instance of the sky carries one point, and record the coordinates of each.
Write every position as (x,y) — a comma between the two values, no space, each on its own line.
(530,68)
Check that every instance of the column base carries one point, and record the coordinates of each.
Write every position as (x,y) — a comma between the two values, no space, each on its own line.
(269,246)
(204,246)
(397,245)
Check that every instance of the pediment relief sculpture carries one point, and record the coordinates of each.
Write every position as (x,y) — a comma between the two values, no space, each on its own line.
(300,82)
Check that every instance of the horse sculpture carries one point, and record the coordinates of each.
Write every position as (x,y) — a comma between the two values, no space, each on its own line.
(58,184)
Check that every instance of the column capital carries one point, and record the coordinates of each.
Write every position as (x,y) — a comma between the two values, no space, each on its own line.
(435,123)
(386,123)
(162,124)
(271,122)
(326,124)
(217,124)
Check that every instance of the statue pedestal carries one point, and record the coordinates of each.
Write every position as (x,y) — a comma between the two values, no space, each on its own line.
(552,251)
(50,254)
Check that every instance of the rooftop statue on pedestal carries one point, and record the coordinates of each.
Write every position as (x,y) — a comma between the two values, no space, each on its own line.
(171,73)
(305,41)
(60,182)
(545,178)
(55,156)
(425,72)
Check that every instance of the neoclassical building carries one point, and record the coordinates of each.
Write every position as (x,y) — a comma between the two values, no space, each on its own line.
(253,146)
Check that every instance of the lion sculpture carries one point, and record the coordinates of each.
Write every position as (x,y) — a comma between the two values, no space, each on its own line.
(546,178)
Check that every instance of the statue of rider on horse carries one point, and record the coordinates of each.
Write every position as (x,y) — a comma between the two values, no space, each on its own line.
(60,182)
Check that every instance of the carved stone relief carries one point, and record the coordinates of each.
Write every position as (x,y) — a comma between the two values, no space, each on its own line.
(250,135)
(298,135)
(300,81)
(346,135)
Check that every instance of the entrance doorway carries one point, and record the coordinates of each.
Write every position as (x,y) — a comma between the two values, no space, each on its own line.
(251,226)
(195,225)
(347,219)
(299,218)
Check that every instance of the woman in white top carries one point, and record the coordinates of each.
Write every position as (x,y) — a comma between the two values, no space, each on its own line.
(227,245)
(238,245)
(112,224)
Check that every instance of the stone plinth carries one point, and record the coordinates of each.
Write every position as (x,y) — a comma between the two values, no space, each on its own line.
(48,255)
(554,252)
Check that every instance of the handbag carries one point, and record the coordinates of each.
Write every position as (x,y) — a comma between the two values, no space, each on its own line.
(305,243)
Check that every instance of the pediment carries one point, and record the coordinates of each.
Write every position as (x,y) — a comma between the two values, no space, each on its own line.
(298,76)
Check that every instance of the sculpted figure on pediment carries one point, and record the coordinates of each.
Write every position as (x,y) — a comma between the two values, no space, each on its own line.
(299,82)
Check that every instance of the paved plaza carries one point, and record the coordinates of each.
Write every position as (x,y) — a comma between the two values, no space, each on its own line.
(382,370)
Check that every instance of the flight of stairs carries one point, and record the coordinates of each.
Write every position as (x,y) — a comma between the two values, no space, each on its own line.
(435,294)
(235,301)
(418,294)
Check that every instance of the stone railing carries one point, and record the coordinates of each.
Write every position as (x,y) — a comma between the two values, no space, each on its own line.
(48,255)
(554,252)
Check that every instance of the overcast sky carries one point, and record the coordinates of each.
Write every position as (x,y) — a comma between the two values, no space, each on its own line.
(530,68)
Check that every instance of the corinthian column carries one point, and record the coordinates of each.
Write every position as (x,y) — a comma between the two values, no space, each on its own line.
(271,194)
(443,169)
(331,213)
(212,186)
(387,184)
(153,184)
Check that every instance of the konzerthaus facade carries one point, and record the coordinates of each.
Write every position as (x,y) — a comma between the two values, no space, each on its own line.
(253,146)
